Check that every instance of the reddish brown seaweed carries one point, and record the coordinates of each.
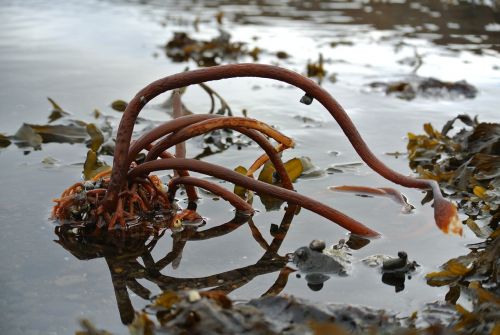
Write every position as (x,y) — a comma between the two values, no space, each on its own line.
(255,185)
(180,129)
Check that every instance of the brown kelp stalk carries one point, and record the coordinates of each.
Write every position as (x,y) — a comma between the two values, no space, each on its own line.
(238,203)
(444,211)
(131,189)
(242,125)
(255,185)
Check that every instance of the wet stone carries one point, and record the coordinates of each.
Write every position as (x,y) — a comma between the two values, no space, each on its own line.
(319,263)
(317,245)
(396,263)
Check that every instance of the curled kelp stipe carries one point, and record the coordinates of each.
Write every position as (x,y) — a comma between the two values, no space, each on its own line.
(130,188)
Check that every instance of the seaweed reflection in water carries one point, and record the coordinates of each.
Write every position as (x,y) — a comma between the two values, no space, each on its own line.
(124,251)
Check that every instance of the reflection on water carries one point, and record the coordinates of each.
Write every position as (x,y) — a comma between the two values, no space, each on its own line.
(129,258)
(87,54)
(471,24)
(124,254)
(440,21)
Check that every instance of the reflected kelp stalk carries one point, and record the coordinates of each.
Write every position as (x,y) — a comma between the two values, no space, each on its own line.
(130,184)
(129,256)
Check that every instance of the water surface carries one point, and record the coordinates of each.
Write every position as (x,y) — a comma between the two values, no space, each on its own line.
(87,54)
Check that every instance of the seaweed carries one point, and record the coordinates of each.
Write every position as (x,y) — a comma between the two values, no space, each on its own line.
(183,308)
(57,112)
(426,88)
(119,105)
(316,69)
(127,191)
(69,131)
(183,47)
(466,164)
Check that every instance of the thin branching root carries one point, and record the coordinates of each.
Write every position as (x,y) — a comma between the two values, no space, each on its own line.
(128,191)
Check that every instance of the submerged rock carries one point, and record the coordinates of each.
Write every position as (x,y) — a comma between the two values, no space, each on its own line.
(319,263)
(317,245)
(396,264)
(316,258)
(312,261)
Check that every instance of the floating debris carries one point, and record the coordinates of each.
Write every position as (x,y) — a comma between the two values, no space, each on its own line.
(426,88)
(182,48)
(344,167)
(4,141)
(391,193)
(26,136)
(316,69)
(57,111)
(340,43)
(282,55)
(49,162)
(119,105)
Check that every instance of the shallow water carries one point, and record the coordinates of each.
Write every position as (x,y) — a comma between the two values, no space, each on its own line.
(87,54)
